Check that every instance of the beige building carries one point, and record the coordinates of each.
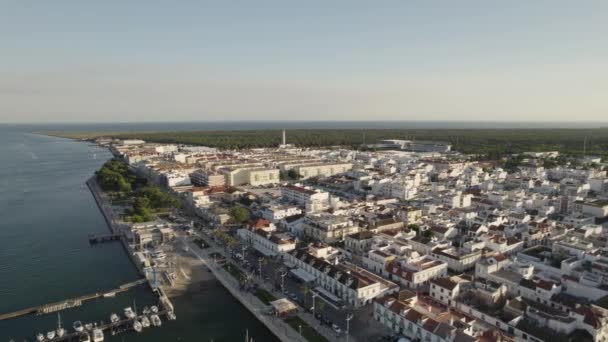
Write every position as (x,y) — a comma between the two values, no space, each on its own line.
(207,178)
(321,170)
(328,228)
(254,176)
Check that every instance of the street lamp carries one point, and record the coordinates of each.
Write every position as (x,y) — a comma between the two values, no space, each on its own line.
(300,329)
(283,274)
(348,318)
(260,265)
(314,295)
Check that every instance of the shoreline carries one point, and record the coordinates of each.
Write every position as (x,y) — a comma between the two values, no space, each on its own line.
(193,272)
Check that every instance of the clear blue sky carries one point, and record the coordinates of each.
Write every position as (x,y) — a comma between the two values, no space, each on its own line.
(336,60)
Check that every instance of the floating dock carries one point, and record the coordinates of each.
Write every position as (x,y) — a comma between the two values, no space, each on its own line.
(101,238)
(68,303)
(121,326)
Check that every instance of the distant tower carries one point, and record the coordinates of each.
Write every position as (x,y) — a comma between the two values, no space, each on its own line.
(284,140)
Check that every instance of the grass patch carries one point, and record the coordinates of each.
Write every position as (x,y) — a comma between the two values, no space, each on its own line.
(308,332)
(265,296)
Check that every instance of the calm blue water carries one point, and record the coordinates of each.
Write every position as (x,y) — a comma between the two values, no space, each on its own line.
(46,215)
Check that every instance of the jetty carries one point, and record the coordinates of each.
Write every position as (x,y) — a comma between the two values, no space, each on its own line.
(101,238)
(69,303)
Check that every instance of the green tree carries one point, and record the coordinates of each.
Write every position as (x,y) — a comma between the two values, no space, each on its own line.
(305,290)
(292,174)
(239,214)
(414,227)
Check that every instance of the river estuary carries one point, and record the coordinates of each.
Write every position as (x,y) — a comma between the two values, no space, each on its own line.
(46,215)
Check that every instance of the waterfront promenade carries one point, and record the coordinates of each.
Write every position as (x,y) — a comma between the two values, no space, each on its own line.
(279,327)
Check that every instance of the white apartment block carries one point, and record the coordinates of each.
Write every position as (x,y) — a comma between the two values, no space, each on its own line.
(276,213)
(176,178)
(458,259)
(416,273)
(597,208)
(321,170)
(207,178)
(312,200)
(253,176)
(265,239)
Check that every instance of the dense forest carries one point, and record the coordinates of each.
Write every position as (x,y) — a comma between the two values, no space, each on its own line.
(492,142)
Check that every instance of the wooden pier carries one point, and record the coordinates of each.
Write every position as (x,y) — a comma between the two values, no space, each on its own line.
(101,238)
(69,303)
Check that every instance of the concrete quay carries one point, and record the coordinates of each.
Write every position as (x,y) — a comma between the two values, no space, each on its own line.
(256,306)
(277,326)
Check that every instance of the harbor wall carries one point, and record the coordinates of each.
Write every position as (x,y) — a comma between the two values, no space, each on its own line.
(112,225)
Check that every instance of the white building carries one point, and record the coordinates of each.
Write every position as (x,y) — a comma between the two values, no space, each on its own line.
(416,273)
(353,286)
(276,213)
(262,235)
(321,170)
(328,228)
(312,200)
(251,176)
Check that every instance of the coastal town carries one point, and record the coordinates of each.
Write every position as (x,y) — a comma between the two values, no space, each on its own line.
(401,240)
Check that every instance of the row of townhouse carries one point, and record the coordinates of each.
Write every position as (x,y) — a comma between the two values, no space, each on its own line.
(355,287)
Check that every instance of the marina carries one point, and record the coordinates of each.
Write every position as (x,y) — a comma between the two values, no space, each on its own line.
(68,303)
(131,321)
(49,246)
(115,326)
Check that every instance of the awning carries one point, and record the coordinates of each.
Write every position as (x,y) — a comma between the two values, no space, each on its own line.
(300,273)
(328,294)
(283,305)
(264,250)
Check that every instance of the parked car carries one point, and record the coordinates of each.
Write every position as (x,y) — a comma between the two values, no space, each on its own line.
(336,328)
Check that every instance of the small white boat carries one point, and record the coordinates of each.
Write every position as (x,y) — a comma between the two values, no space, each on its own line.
(84,338)
(137,326)
(156,320)
(154,309)
(129,313)
(50,335)
(78,327)
(88,326)
(39,337)
(60,330)
(114,318)
(109,294)
(146,310)
(171,316)
(97,335)
(145,322)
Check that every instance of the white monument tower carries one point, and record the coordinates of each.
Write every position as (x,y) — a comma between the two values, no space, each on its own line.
(285,144)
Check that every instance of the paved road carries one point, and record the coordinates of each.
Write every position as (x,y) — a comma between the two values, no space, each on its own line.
(363,327)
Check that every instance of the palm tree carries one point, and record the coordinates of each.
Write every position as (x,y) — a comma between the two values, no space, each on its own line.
(320,306)
(304,290)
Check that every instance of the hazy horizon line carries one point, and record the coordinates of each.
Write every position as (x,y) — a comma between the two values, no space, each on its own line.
(297,121)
